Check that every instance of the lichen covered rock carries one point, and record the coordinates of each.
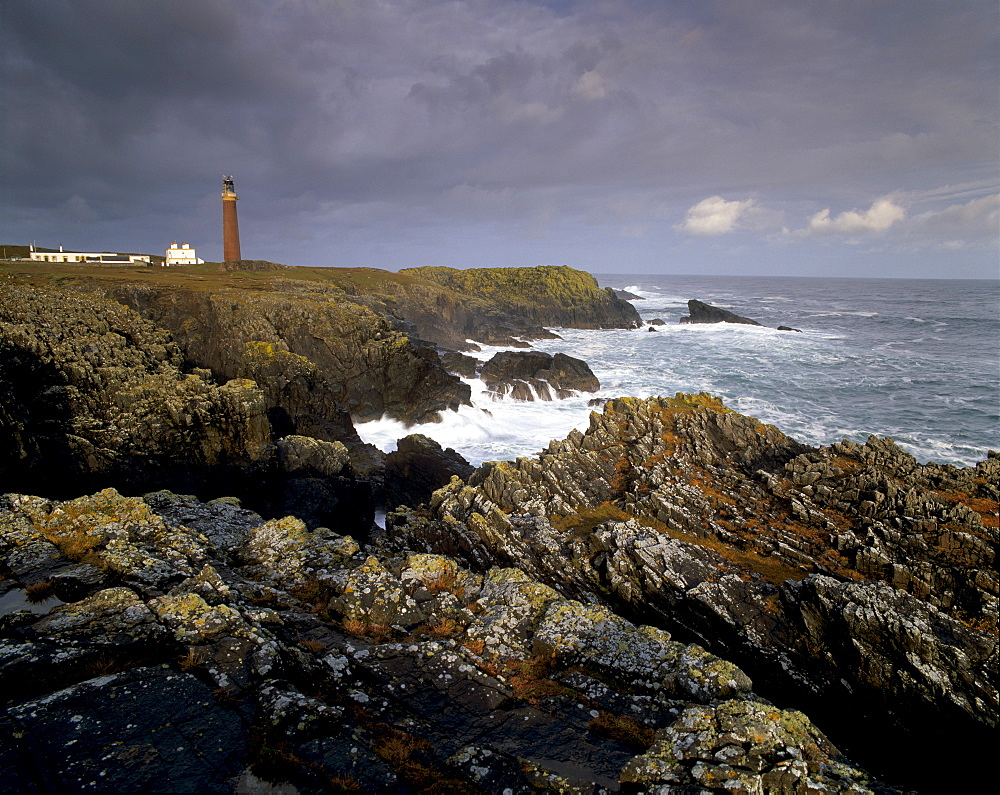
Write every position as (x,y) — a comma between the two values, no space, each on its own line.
(231,643)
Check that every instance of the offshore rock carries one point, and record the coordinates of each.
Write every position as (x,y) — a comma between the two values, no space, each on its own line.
(526,374)
(245,645)
(847,574)
(459,363)
(700,312)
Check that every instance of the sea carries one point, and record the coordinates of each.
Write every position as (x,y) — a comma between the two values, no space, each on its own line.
(913,359)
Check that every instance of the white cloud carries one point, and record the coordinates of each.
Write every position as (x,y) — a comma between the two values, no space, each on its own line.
(878,218)
(959,226)
(714,216)
(591,86)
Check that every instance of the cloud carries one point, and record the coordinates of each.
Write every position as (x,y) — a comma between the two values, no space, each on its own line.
(876,219)
(714,216)
(596,117)
(591,86)
(975,223)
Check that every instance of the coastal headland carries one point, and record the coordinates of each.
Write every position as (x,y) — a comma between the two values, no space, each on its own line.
(196,597)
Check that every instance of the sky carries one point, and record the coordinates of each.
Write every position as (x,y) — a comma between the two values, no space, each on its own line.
(747,137)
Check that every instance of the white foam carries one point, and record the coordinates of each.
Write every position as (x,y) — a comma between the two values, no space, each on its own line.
(490,429)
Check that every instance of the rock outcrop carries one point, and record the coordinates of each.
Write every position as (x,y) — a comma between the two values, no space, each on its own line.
(847,575)
(92,391)
(252,265)
(515,303)
(95,395)
(527,375)
(700,312)
(212,649)
(314,352)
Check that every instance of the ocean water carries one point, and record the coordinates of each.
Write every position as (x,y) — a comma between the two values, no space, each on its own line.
(915,360)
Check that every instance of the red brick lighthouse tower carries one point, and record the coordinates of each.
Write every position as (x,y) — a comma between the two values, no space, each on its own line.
(230,226)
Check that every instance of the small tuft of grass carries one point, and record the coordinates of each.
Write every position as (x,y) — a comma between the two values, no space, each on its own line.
(373,631)
(192,659)
(39,591)
(622,729)
(312,645)
(447,582)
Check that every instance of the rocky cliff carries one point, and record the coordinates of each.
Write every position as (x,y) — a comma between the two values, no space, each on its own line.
(172,645)
(91,390)
(848,578)
(587,619)
(547,296)
(313,350)
(94,395)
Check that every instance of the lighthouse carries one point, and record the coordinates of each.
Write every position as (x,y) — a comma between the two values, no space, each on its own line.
(230,226)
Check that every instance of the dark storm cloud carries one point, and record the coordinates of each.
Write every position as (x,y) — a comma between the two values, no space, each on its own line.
(430,129)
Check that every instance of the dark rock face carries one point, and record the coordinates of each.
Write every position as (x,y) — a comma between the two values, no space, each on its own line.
(525,374)
(418,467)
(625,295)
(789,328)
(706,313)
(229,644)
(847,575)
(455,362)
(135,731)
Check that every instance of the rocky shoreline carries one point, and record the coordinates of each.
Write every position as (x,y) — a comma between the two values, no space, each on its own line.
(654,605)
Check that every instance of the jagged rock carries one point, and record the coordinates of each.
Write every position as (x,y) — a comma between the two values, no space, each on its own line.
(708,520)
(701,312)
(789,328)
(525,374)
(303,455)
(625,295)
(333,667)
(744,746)
(417,468)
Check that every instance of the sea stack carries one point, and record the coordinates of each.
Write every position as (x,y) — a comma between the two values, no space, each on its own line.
(230,224)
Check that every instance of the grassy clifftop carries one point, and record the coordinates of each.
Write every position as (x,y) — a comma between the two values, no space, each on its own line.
(539,288)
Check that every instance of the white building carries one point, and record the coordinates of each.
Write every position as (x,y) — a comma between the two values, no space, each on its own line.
(181,255)
(89,257)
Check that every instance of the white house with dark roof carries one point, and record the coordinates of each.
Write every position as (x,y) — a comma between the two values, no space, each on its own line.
(87,257)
